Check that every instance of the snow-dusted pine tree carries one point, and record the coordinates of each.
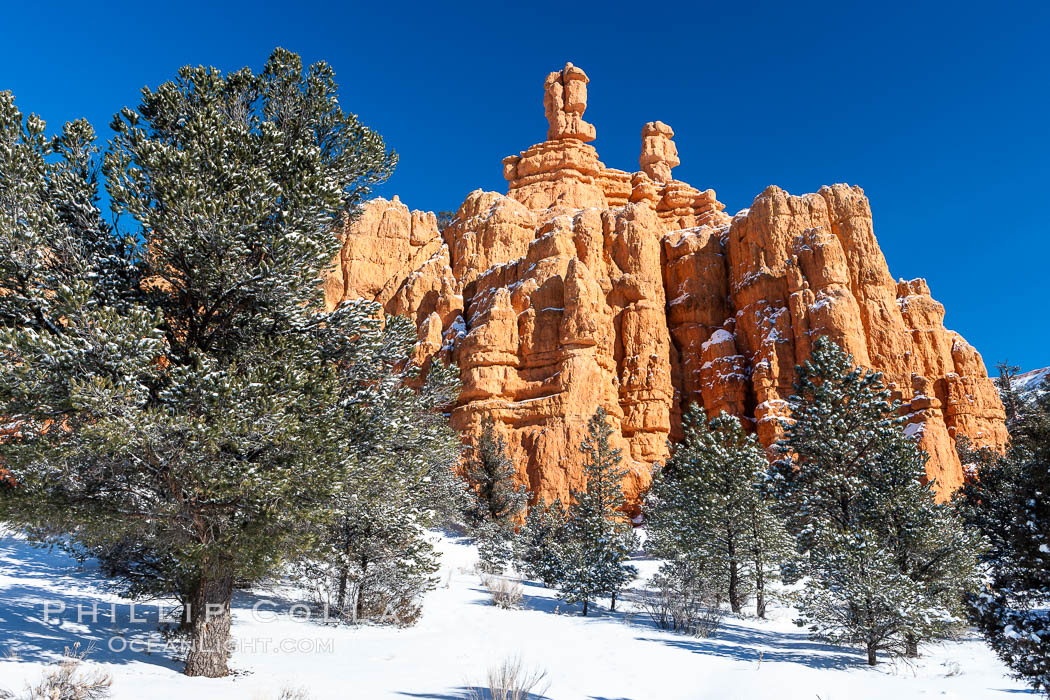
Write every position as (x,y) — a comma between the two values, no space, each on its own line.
(855,594)
(706,507)
(1014,612)
(182,404)
(537,552)
(1009,503)
(598,536)
(371,559)
(852,487)
(498,500)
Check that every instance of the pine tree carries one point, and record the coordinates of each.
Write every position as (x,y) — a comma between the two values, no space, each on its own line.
(769,547)
(537,548)
(598,537)
(706,507)
(372,559)
(1033,432)
(1014,612)
(180,391)
(853,489)
(498,500)
(855,594)
(1008,502)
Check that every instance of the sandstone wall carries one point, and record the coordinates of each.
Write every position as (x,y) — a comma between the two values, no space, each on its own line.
(586,286)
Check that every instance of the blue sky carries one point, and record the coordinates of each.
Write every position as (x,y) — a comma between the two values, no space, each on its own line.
(941,112)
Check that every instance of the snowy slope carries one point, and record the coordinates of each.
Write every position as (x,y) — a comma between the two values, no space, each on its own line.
(459,637)
(1031,383)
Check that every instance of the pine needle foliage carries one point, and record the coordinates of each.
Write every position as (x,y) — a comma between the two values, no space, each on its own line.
(706,509)
(184,406)
(887,566)
(1008,502)
(598,537)
(497,499)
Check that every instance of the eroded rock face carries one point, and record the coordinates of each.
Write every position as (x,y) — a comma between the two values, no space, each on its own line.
(397,258)
(586,286)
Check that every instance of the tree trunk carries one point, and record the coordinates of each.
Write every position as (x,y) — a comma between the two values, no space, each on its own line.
(734,570)
(911,646)
(760,593)
(871,655)
(612,602)
(585,608)
(210,620)
(734,587)
(344,574)
(359,609)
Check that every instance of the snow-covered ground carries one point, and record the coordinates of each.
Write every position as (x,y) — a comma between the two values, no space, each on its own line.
(459,637)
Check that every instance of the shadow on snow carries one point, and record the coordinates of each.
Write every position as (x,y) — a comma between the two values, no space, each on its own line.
(746,644)
(47,577)
(732,641)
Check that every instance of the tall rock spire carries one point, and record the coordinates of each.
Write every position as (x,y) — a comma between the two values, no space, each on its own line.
(564,101)
(659,153)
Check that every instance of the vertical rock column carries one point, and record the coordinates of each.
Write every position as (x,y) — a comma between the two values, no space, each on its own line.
(564,170)
(659,154)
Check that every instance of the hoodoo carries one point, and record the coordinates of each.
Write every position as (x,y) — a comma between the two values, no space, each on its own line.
(587,286)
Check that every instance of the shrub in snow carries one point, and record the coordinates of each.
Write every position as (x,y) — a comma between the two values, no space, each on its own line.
(683,599)
(69,681)
(511,680)
(495,546)
(886,565)
(506,593)
(383,592)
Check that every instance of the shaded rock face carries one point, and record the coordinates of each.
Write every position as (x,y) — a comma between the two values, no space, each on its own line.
(586,286)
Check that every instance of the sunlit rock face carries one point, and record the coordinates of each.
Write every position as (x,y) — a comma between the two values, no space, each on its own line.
(586,286)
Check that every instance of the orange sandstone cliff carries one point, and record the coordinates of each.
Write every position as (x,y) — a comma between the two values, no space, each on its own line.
(587,286)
